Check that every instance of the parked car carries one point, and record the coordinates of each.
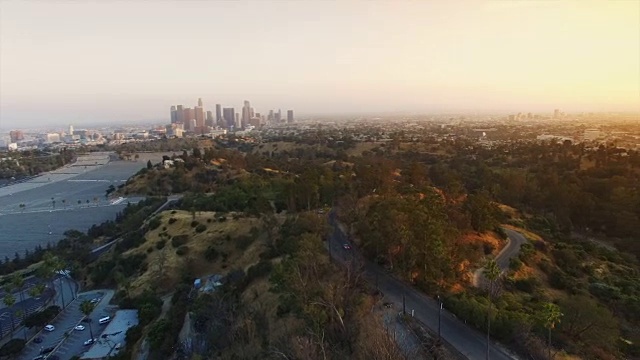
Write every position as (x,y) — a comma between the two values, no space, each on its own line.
(79,327)
(47,350)
(49,327)
(37,340)
(346,246)
(90,341)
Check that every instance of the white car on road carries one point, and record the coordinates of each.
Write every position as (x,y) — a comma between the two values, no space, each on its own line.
(79,327)
(49,327)
(90,341)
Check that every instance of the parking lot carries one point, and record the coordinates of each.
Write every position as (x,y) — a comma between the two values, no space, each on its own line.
(74,345)
(64,340)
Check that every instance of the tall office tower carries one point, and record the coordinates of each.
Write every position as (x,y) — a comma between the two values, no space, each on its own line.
(229,115)
(238,123)
(270,116)
(252,113)
(290,116)
(556,113)
(174,115)
(218,113)
(189,114)
(278,116)
(70,129)
(246,113)
(199,115)
(200,102)
(193,125)
(180,114)
(209,121)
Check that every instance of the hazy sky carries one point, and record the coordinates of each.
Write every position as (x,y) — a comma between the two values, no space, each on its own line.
(89,61)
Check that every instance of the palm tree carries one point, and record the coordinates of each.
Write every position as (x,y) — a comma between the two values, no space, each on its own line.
(22,207)
(64,203)
(492,272)
(87,308)
(10,300)
(551,316)
(17,281)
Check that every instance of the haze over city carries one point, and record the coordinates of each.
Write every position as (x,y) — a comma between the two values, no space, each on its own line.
(82,63)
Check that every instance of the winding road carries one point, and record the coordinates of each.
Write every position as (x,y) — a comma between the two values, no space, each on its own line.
(511,250)
(469,342)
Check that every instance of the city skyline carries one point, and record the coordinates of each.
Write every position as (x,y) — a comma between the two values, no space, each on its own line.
(315,57)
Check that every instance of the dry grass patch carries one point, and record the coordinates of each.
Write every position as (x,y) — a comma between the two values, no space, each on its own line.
(527,234)
(166,265)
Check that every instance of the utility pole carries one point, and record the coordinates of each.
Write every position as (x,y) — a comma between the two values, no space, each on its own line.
(404,305)
(440,320)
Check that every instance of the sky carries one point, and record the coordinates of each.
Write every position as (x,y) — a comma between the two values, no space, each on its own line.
(115,61)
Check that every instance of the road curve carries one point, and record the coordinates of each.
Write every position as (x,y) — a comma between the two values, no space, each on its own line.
(511,250)
(469,342)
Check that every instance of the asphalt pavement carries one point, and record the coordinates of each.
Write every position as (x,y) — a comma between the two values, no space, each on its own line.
(65,340)
(469,342)
(511,250)
(74,344)
(64,289)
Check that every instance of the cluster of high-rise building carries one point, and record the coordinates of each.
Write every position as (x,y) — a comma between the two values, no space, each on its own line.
(198,121)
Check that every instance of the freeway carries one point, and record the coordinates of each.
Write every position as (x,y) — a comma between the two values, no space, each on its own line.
(466,340)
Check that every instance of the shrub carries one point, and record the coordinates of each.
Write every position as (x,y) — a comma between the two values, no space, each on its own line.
(527,285)
(160,244)
(222,219)
(194,223)
(208,221)
(211,254)
(164,228)
(243,242)
(172,220)
(488,248)
(182,250)
(201,228)
(149,250)
(179,240)
(515,264)
(173,212)
(154,223)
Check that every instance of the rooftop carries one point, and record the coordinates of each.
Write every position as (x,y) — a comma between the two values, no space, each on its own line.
(116,331)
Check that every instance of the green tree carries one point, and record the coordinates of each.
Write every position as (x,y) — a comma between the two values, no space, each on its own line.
(10,300)
(588,322)
(149,165)
(87,308)
(492,273)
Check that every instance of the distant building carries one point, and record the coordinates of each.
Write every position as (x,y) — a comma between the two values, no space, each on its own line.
(246,114)
(290,116)
(556,113)
(200,102)
(16,135)
(218,114)
(189,114)
(180,114)
(209,122)
(229,115)
(278,116)
(52,137)
(174,115)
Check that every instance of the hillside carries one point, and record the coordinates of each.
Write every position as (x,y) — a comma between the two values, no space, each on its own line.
(200,244)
